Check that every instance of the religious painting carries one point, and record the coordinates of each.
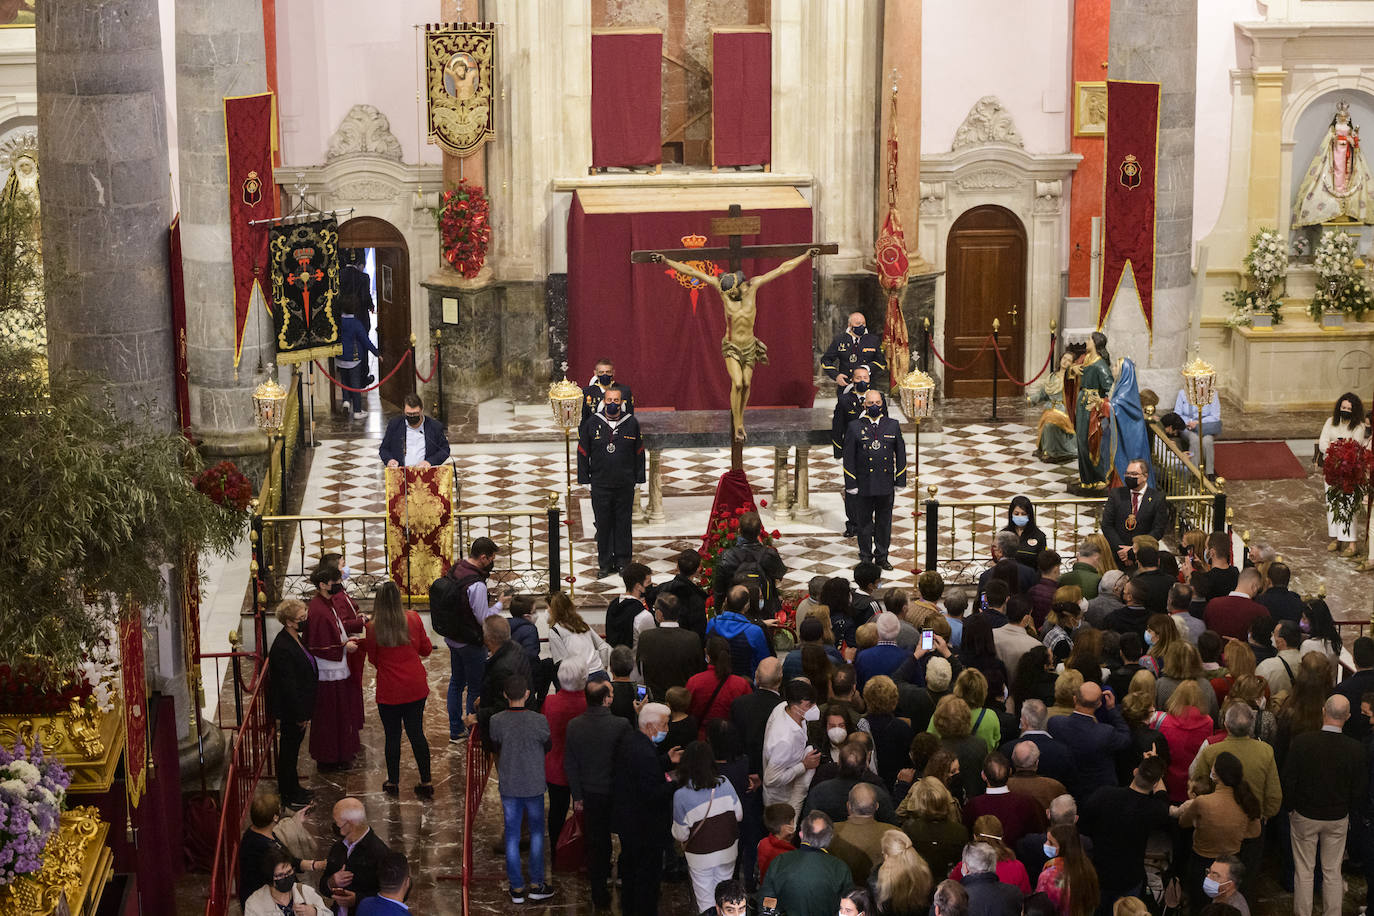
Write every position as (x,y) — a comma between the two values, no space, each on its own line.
(1090,109)
(460,82)
(384,282)
(305,289)
(18,14)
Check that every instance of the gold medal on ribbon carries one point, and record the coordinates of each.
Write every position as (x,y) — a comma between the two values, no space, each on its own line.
(1130,522)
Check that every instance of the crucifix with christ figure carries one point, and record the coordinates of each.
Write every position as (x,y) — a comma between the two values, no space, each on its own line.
(741,349)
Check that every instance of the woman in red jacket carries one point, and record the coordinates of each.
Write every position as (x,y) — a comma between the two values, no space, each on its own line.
(338,704)
(1186,727)
(395,642)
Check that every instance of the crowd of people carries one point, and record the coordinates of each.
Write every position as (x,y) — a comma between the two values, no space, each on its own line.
(1136,725)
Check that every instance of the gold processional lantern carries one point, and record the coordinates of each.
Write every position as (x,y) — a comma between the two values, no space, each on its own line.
(565,398)
(917,391)
(269,404)
(1199,382)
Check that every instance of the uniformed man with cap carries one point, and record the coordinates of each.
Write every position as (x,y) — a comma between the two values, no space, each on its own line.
(602,381)
(610,457)
(849,406)
(854,347)
(874,467)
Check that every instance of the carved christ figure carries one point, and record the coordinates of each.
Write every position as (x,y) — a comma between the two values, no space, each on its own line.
(741,349)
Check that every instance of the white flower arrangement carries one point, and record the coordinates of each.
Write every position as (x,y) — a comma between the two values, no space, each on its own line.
(32,792)
(1340,288)
(1266,265)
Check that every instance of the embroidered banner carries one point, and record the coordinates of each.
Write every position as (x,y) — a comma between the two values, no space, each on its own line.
(460,76)
(305,288)
(135,685)
(419,526)
(1128,205)
(890,254)
(183,378)
(249,140)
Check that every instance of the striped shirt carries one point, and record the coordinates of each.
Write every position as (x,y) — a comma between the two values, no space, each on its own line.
(706,821)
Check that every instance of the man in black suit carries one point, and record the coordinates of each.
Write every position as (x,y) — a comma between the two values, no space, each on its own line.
(1136,508)
(610,457)
(691,597)
(593,396)
(1354,686)
(414,440)
(1056,761)
(849,406)
(1283,602)
(350,870)
(874,469)
(668,654)
(749,714)
(588,758)
(854,347)
(1153,584)
(643,811)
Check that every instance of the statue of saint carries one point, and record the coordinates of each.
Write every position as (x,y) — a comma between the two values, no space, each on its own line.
(1337,184)
(741,349)
(1054,433)
(1093,415)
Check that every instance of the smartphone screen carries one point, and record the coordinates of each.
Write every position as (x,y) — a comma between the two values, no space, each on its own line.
(927,639)
(641,692)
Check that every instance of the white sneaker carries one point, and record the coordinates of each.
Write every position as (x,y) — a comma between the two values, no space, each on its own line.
(360,414)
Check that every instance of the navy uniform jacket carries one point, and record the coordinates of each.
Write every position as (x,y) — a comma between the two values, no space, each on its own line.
(849,406)
(874,457)
(610,457)
(592,395)
(846,353)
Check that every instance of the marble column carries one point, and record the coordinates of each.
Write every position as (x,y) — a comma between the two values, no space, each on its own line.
(1158,42)
(102,139)
(902,53)
(220,52)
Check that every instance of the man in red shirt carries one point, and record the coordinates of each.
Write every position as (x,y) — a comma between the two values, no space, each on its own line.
(1019,814)
(1231,615)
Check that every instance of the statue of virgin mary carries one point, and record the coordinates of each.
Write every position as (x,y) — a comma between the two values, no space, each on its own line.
(1337,185)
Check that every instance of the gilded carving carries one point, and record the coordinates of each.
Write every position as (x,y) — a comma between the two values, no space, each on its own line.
(987,122)
(460,79)
(364,130)
(76,866)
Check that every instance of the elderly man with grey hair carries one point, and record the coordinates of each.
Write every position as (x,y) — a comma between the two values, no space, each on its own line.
(1256,757)
(1055,759)
(1110,599)
(1027,780)
(1030,849)
(859,838)
(350,870)
(986,893)
(1004,547)
(808,881)
(884,658)
(642,808)
(1087,569)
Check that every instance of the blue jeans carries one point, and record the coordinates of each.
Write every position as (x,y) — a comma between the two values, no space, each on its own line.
(531,811)
(469,664)
(353,378)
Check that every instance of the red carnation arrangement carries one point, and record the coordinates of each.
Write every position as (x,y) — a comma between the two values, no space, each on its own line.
(464,222)
(225,485)
(1347,467)
(721,536)
(27,688)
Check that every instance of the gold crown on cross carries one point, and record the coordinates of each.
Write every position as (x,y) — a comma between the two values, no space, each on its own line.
(694,241)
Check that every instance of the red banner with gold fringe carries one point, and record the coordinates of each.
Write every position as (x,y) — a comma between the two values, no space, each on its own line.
(249,139)
(419,526)
(1128,206)
(890,254)
(134,681)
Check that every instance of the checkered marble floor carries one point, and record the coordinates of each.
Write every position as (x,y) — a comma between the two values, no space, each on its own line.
(977,462)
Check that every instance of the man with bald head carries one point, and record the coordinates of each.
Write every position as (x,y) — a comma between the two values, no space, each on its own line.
(1093,734)
(859,837)
(854,347)
(749,714)
(1324,778)
(350,870)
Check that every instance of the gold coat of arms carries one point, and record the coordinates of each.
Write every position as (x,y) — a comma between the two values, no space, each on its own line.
(460,78)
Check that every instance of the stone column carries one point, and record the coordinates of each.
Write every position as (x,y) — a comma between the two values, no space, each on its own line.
(1266,150)
(220,52)
(1158,42)
(902,52)
(102,139)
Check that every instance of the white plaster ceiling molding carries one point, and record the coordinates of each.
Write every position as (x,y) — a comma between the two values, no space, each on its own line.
(987,122)
(988,180)
(364,131)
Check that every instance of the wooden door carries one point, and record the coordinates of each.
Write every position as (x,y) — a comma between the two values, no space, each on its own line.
(986,279)
(392,280)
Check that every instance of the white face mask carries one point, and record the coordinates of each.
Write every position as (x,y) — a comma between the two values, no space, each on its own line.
(836,735)
(813,714)
(343,571)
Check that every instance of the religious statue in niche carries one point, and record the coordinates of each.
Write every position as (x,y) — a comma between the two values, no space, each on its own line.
(460,83)
(1336,188)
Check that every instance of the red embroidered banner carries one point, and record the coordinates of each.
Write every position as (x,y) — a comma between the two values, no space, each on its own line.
(249,139)
(183,378)
(890,254)
(627,99)
(135,685)
(1128,205)
(741,97)
(419,526)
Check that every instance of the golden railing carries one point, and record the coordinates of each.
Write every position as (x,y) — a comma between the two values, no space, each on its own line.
(281,451)
(1176,475)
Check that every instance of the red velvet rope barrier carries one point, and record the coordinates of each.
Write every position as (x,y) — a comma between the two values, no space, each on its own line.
(1013,379)
(432,368)
(399,363)
(987,342)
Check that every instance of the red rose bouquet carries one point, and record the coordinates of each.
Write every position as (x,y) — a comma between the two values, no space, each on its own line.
(225,485)
(720,537)
(1347,466)
(464,222)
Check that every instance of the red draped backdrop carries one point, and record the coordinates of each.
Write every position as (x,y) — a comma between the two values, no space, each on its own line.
(1128,211)
(741,98)
(627,99)
(643,319)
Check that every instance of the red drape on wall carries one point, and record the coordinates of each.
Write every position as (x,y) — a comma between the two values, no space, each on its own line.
(1128,200)
(627,99)
(642,318)
(741,98)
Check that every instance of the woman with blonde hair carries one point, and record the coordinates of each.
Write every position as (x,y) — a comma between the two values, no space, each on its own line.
(1065,686)
(291,697)
(1106,556)
(933,824)
(1069,878)
(395,640)
(971,687)
(1239,661)
(822,613)
(1138,705)
(1186,728)
(571,637)
(1160,632)
(1253,691)
(988,829)
(1182,663)
(954,724)
(902,881)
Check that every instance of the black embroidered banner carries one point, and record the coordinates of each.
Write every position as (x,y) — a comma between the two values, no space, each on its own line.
(305,288)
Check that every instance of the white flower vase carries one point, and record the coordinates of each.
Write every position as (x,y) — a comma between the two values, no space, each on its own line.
(1262,321)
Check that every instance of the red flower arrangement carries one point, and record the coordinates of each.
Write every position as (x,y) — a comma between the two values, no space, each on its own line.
(723,534)
(26,688)
(1347,467)
(225,485)
(464,222)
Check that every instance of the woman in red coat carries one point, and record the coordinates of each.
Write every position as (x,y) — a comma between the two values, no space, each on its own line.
(395,643)
(338,704)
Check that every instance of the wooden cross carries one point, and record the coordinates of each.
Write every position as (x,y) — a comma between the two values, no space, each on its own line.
(736,227)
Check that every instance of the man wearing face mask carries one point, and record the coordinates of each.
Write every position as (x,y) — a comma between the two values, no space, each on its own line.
(849,406)
(414,440)
(350,871)
(788,761)
(1222,883)
(610,457)
(642,809)
(458,607)
(874,469)
(603,380)
(393,877)
(854,347)
(1136,508)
